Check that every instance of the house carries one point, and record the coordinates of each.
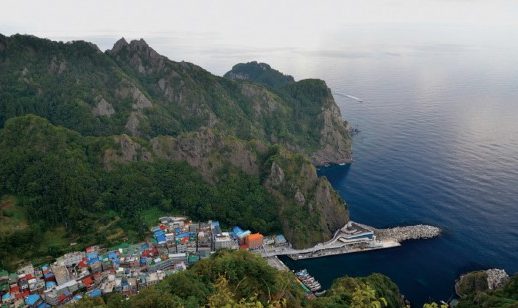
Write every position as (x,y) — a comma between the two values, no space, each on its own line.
(224,241)
(71,258)
(94,293)
(280,240)
(61,273)
(33,300)
(254,240)
(88,282)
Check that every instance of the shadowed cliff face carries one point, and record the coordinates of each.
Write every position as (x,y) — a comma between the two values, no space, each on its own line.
(153,108)
(317,115)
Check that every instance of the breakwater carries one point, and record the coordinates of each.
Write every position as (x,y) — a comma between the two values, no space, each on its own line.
(401,234)
(355,237)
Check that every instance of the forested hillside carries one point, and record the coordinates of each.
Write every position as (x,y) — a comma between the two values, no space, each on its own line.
(132,89)
(94,146)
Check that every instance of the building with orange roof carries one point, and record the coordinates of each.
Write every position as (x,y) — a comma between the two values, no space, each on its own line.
(254,240)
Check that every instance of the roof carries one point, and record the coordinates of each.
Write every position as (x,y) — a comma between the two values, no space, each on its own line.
(121,245)
(91,255)
(255,236)
(184,234)
(88,281)
(32,299)
(95,293)
(280,238)
(49,275)
(237,230)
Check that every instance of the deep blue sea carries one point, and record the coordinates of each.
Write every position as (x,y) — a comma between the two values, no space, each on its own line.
(438,142)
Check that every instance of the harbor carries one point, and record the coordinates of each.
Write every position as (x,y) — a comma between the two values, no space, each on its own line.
(355,237)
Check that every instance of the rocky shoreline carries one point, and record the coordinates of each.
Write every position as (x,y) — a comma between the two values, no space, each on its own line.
(405,233)
(480,281)
(401,234)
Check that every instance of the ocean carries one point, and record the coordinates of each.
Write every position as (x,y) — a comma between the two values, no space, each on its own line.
(438,144)
(438,141)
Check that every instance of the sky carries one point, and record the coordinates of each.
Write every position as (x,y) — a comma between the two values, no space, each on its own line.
(186,29)
(276,22)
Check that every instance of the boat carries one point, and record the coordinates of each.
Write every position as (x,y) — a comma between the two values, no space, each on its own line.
(320,293)
(308,281)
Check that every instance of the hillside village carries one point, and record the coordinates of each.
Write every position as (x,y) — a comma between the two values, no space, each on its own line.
(175,244)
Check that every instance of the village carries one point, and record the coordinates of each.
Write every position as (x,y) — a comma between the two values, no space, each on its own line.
(175,244)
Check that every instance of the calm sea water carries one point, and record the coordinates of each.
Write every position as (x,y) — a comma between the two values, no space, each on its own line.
(438,142)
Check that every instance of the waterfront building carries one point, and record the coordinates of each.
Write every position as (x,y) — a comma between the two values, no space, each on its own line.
(224,240)
(254,241)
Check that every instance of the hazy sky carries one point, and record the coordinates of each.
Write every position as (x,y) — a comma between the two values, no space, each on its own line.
(216,34)
(275,22)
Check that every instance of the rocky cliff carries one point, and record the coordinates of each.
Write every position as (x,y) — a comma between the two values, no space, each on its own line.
(314,106)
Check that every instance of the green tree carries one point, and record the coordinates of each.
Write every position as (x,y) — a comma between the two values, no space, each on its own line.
(364,296)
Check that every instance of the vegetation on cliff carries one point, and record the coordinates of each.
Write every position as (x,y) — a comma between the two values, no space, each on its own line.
(261,73)
(132,89)
(474,292)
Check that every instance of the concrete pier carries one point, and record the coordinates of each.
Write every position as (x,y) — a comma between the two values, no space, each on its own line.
(276,263)
(355,237)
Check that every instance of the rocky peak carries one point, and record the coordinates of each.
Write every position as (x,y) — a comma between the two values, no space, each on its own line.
(139,45)
(139,55)
(119,45)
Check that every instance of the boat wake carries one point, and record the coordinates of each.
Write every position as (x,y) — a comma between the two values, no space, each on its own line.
(359,100)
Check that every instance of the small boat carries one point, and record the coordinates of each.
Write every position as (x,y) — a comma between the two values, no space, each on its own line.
(308,281)
(320,293)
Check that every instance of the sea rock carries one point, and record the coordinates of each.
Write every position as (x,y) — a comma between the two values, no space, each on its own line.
(480,281)
(496,278)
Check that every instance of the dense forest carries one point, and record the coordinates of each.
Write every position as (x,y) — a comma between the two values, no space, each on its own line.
(59,180)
